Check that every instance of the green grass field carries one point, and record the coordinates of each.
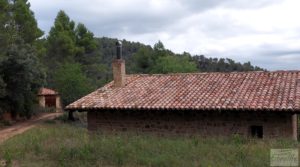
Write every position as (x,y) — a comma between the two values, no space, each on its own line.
(57,144)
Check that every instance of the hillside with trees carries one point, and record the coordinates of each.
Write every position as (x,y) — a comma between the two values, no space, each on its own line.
(71,60)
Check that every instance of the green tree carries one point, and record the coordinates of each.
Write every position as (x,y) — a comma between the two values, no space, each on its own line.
(71,82)
(87,56)
(160,51)
(4,24)
(97,73)
(24,21)
(159,46)
(17,22)
(85,39)
(161,60)
(86,45)
(2,87)
(4,39)
(222,65)
(174,64)
(142,61)
(22,75)
(61,45)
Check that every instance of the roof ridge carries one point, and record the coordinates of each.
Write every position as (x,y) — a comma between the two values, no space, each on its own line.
(203,73)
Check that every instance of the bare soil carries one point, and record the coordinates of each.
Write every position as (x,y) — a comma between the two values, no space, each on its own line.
(24,126)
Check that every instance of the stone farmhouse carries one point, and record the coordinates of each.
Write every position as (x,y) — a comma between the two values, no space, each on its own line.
(252,104)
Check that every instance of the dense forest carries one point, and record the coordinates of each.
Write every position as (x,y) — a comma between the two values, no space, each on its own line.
(72,61)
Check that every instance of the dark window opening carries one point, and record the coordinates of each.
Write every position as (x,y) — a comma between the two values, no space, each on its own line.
(256,131)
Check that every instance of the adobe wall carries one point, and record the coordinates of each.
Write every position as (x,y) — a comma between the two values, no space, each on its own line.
(204,123)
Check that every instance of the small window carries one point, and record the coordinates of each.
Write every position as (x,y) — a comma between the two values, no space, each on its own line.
(256,131)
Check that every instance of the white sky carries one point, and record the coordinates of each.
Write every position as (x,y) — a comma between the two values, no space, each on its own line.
(265,32)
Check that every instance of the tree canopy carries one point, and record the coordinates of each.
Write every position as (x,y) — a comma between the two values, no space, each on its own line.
(22,76)
(21,73)
(174,64)
(24,21)
(71,82)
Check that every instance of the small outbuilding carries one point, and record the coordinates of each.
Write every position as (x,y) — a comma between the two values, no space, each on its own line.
(49,98)
(252,104)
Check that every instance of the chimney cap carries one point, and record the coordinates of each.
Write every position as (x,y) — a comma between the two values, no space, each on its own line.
(118,43)
(119,49)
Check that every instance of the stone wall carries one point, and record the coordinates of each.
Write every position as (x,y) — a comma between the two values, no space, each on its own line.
(48,101)
(204,123)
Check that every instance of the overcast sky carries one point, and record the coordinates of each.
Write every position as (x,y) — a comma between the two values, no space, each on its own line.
(265,32)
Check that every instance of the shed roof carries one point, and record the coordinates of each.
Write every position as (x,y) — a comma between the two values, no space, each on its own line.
(278,91)
(47,91)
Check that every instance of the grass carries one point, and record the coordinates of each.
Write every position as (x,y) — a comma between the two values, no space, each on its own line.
(57,144)
(5,123)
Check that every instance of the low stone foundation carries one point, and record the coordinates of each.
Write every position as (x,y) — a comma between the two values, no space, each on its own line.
(203,123)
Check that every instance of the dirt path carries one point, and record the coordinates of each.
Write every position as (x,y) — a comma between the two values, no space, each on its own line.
(24,126)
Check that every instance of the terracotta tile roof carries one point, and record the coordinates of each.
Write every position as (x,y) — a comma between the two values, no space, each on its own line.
(278,91)
(47,91)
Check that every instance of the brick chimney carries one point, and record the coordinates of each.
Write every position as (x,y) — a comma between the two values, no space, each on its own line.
(118,66)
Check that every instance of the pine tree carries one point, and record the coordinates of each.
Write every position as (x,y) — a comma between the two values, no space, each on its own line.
(142,61)
(24,21)
(61,44)
(85,39)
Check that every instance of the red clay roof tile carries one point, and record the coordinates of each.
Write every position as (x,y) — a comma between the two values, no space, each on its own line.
(46,91)
(238,90)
